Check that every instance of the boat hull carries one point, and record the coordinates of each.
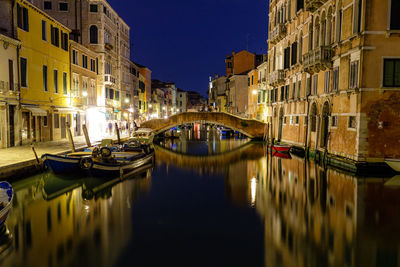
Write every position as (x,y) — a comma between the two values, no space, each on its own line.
(61,164)
(280,148)
(394,164)
(108,170)
(6,197)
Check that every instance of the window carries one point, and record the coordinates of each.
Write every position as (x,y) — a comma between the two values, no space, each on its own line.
(315,84)
(63,6)
(352,122)
(22,18)
(287,58)
(335,82)
(293,90)
(93,8)
(327,80)
(354,74)
(108,69)
(276,95)
(117,95)
(93,65)
(93,34)
(391,73)
(334,121)
(84,61)
(56,121)
(282,93)
(45,85)
(44,30)
(300,5)
(298,89)
(45,122)
(75,84)
(294,54)
(65,83)
(64,41)
(297,120)
(111,93)
(263,97)
(24,72)
(75,57)
(47,5)
(394,15)
(55,76)
(55,36)
(286,92)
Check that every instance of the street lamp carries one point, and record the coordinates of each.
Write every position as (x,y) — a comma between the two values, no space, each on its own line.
(84,93)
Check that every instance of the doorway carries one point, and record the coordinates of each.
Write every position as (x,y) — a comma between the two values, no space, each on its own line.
(325,125)
(11,113)
(63,127)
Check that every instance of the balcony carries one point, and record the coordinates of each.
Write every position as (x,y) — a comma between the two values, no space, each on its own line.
(109,79)
(277,77)
(312,5)
(277,33)
(318,59)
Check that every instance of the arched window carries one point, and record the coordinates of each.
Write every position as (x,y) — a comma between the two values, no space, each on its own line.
(310,37)
(94,34)
(323,30)
(316,33)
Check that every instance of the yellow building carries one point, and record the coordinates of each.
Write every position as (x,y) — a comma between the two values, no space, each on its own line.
(44,74)
(253,95)
(142,103)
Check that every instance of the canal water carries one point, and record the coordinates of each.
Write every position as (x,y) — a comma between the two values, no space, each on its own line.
(207,201)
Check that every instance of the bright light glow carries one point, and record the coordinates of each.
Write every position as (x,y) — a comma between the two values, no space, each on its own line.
(150,105)
(165,117)
(254,92)
(84,94)
(130,110)
(253,190)
(96,123)
(163,108)
(126,100)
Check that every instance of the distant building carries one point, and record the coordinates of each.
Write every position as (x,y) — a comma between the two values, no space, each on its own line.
(242,62)
(262,92)
(217,94)
(252,93)
(182,99)
(196,102)
(237,94)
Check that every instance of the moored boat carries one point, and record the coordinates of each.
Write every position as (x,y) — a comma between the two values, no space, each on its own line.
(394,164)
(281,155)
(145,136)
(280,148)
(62,163)
(6,197)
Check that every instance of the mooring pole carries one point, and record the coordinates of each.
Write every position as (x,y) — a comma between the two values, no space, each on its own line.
(85,132)
(71,140)
(117,130)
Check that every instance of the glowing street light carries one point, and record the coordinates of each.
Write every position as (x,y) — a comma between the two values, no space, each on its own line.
(84,93)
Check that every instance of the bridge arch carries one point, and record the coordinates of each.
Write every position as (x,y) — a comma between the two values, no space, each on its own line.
(254,129)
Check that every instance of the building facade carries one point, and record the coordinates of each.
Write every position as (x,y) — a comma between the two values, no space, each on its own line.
(333,74)
(252,94)
(262,92)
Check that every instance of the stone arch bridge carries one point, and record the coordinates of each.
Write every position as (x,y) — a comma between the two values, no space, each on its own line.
(253,129)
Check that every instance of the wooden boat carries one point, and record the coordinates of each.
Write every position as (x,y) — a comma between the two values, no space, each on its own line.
(394,164)
(6,197)
(145,136)
(280,148)
(99,162)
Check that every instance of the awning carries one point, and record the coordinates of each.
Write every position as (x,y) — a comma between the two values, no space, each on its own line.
(36,110)
(62,109)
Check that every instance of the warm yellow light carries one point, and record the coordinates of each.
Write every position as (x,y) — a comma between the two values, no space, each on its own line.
(84,94)
(253,190)
(254,92)
(150,105)
(126,100)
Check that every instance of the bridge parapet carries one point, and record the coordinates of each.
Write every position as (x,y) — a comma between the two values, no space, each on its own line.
(252,128)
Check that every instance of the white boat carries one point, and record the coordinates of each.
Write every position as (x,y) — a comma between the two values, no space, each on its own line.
(394,164)
(6,197)
(145,136)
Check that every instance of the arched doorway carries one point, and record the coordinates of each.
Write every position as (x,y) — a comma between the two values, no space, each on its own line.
(280,124)
(325,125)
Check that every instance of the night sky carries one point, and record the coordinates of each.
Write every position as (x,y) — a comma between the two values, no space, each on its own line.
(186,41)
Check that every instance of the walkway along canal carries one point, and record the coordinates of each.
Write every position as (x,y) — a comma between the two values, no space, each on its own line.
(206,202)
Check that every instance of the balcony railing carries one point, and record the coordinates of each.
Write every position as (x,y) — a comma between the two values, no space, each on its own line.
(318,59)
(312,5)
(109,79)
(277,77)
(277,33)
(108,46)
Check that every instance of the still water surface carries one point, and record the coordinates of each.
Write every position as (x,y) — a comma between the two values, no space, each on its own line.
(206,202)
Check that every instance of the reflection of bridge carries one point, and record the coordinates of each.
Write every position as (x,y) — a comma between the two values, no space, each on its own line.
(251,128)
(211,162)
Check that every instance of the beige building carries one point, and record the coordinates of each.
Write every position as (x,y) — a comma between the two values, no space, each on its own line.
(181,101)
(252,94)
(10,114)
(237,95)
(262,92)
(217,93)
(83,89)
(335,72)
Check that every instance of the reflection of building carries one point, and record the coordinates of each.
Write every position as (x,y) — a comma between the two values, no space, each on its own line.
(66,230)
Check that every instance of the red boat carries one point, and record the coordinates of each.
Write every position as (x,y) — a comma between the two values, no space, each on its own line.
(280,148)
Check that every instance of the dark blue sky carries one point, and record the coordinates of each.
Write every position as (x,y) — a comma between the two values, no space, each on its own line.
(186,41)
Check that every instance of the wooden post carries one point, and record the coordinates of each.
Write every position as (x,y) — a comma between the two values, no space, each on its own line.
(71,140)
(117,130)
(85,132)
(34,152)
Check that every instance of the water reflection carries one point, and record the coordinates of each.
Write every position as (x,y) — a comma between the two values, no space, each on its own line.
(53,223)
(231,204)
